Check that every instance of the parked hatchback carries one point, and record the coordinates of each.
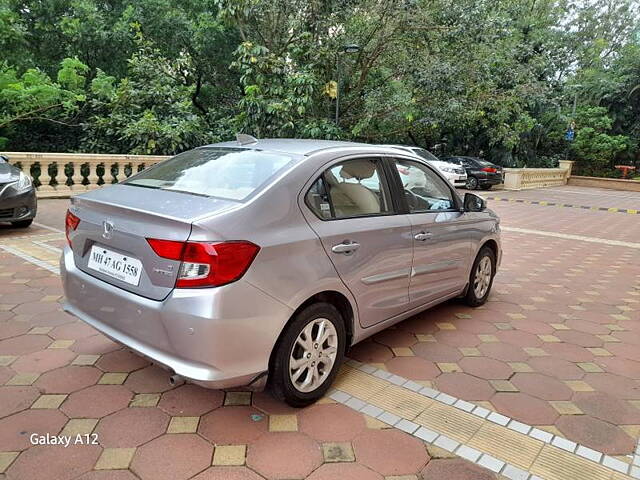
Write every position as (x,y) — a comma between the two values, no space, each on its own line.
(261,262)
(480,173)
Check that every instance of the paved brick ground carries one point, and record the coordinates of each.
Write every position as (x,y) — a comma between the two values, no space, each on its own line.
(557,346)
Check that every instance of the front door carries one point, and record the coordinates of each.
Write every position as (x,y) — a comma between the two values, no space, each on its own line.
(441,233)
(369,244)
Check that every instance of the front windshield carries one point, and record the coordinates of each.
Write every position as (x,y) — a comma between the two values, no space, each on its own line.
(230,173)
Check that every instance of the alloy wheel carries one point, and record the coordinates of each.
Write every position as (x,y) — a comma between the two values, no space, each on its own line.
(313,355)
(482,278)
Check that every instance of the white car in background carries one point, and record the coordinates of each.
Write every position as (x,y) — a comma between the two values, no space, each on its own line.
(456,175)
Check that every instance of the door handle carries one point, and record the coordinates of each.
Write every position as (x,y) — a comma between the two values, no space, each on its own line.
(422,236)
(346,248)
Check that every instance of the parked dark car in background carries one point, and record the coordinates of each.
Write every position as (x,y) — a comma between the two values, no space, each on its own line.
(480,173)
(18,202)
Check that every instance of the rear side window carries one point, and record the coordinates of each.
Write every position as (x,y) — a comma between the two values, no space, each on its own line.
(354,188)
(229,173)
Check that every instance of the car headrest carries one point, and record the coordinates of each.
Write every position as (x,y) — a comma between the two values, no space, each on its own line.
(358,169)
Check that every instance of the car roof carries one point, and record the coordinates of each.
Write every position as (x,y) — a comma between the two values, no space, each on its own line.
(296,146)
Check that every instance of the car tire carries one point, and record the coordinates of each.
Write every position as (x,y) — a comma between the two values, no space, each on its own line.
(486,187)
(479,283)
(472,183)
(22,223)
(288,350)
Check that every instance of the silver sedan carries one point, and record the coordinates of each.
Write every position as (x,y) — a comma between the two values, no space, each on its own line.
(256,263)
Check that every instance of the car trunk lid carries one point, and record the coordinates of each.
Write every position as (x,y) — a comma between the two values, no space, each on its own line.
(110,242)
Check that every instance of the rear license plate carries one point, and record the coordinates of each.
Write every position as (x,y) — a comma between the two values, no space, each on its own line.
(122,267)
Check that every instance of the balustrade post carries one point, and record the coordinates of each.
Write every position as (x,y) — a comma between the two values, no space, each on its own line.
(93,176)
(77,177)
(45,177)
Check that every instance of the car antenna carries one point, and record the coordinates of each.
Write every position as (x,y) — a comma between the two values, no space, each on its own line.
(244,139)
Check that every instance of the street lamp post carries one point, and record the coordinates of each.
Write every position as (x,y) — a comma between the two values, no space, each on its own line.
(349,48)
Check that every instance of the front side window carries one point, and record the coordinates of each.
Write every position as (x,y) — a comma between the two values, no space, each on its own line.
(230,173)
(424,190)
(350,189)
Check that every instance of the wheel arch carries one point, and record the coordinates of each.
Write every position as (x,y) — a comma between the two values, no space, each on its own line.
(492,244)
(332,297)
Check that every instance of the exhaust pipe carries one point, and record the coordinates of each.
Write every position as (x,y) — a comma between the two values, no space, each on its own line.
(176,380)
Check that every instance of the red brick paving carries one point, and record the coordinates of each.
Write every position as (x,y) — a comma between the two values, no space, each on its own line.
(47,462)
(525,408)
(390,452)
(455,470)
(16,429)
(190,400)
(121,361)
(68,379)
(43,360)
(148,380)
(465,386)
(285,455)
(546,287)
(96,401)
(344,471)
(14,399)
(593,432)
(116,429)
(344,424)
(233,425)
(228,473)
(172,457)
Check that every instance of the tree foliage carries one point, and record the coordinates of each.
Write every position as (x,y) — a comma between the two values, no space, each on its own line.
(495,78)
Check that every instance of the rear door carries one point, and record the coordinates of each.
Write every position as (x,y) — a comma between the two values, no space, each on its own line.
(363,234)
(441,232)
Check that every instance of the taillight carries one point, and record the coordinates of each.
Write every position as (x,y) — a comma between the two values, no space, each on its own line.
(489,170)
(71,222)
(207,264)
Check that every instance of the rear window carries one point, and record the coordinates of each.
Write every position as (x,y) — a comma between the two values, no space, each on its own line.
(230,173)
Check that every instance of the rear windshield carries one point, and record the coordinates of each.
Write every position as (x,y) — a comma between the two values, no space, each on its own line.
(230,173)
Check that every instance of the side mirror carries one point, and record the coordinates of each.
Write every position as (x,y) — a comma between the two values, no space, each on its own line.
(474,203)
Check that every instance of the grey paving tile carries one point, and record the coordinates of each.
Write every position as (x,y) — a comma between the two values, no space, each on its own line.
(426,434)
(492,463)
(589,453)
(468,453)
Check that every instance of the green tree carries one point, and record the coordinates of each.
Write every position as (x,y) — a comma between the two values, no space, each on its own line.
(594,147)
(148,112)
(34,97)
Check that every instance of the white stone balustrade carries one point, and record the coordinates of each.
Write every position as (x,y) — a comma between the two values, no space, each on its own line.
(526,178)
(77,172)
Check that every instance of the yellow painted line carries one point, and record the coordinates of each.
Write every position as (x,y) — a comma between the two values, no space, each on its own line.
(558,203)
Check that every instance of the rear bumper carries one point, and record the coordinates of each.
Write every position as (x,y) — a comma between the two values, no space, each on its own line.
(14,208)
(490,181)
(215,337)
(455,178)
